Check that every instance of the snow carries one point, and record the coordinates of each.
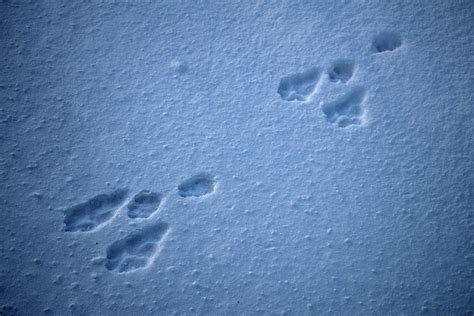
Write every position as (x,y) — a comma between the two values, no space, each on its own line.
(236,157)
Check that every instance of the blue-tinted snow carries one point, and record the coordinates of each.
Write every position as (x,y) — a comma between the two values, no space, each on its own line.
(296,157)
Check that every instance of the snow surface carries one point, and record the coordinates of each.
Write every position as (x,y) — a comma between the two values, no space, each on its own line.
(236,157)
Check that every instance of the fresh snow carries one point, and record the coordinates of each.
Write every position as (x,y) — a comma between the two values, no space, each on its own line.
(236,157)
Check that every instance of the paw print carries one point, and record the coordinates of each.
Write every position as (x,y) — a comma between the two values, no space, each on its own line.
(350,108)
(140,247)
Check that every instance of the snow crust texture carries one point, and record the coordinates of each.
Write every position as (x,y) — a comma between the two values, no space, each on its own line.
(236,157)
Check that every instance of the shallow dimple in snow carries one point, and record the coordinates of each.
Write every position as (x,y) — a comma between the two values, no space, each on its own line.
(386,41)
(341,70)
(196,186)
(300,86)
(93,213)
(137,250)
(347,110)
(144,204)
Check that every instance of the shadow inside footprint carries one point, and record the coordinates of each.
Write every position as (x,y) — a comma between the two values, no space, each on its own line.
(198,185)
(299,87)
(341,70)
(347,110)
(136,251)
(386,41)
(143,204)
(96,211)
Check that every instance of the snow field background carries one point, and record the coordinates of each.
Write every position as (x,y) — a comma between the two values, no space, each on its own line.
(236,158)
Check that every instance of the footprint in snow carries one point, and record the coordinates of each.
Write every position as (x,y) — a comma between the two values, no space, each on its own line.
(350,108)
(139,248)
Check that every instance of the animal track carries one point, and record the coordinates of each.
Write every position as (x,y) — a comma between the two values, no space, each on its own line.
(386,41)
(347,110)
(198,185)
(93,213)
(143,204)
(341,70)
(299,86)
(9,310)
(136,251)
